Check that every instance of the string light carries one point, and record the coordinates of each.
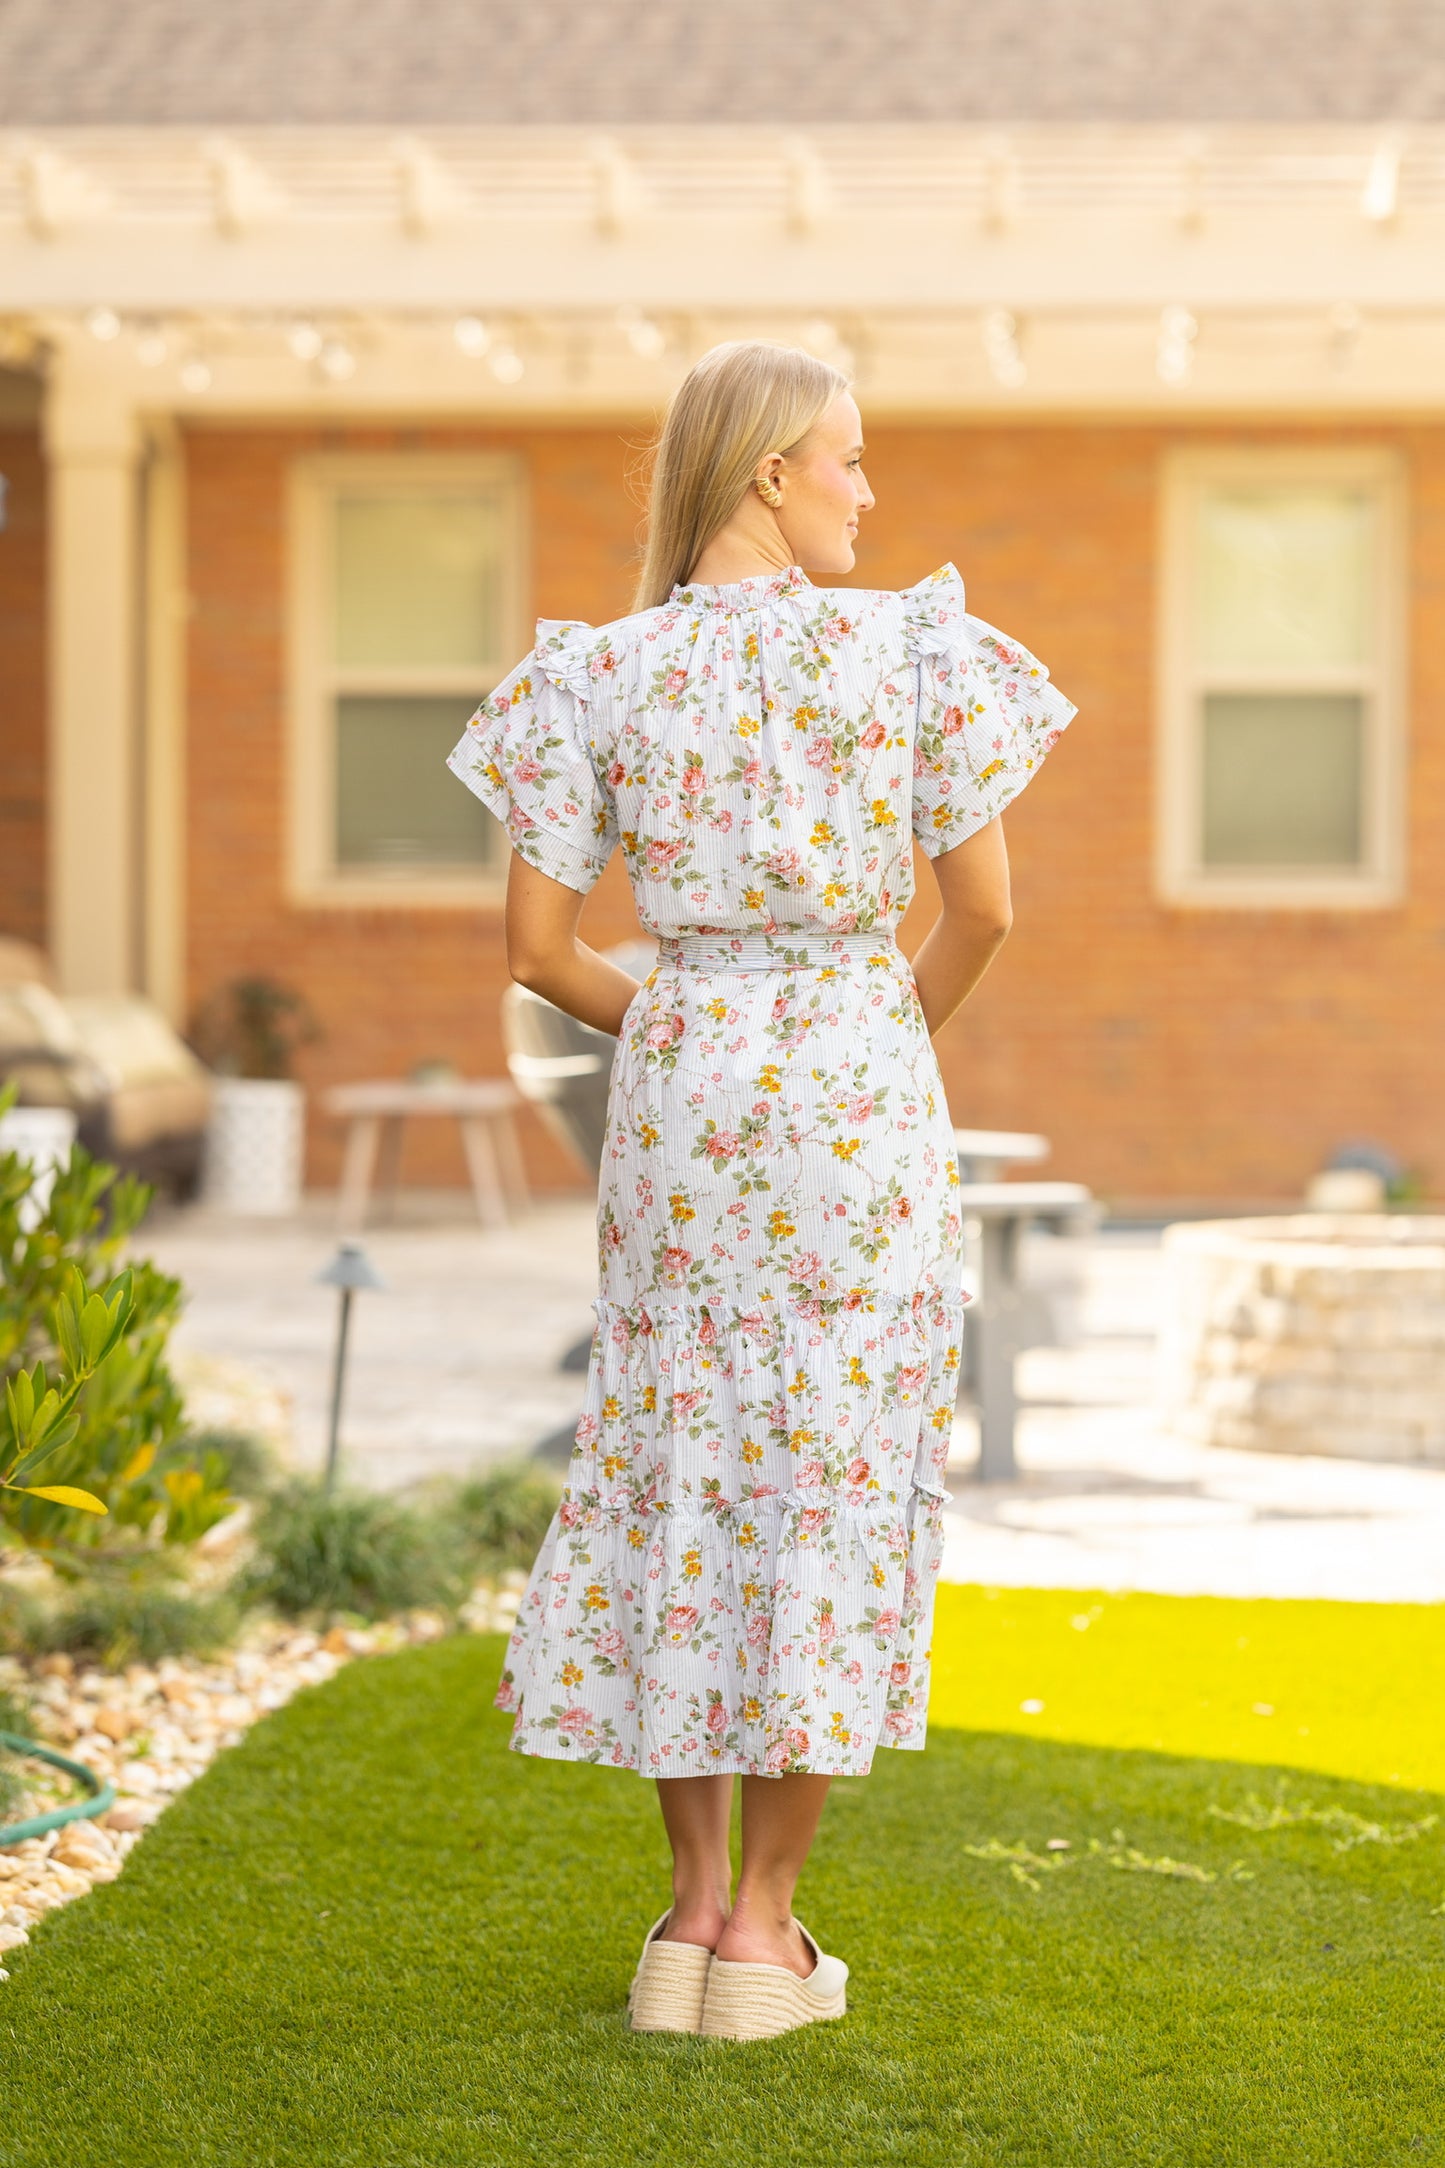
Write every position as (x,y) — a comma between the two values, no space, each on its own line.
(1001,346)
(472,336)
(508,366)
(336,361)
(103,324)
(195,374)
(646,338)
(1174,355)
(304,340)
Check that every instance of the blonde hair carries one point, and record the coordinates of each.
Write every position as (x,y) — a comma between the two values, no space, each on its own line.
(740,402)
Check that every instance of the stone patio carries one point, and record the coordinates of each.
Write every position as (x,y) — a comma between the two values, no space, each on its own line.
(457,1365)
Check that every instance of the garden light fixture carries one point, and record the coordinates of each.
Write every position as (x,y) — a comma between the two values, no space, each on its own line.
(348,1270)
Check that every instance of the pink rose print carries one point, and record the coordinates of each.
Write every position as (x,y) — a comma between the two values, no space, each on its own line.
(860,1107)
(611,1643)
(723,1144)
(717,1716)
(888,1622)
(811,1474)
(859,1471)
(760,1631)
(676,1264)
(575,1722)
(680,1623)
(900,1674)
(694,782)
(872,736)
(527,769)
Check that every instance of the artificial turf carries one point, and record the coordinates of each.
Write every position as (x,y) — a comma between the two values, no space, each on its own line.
(371,1938)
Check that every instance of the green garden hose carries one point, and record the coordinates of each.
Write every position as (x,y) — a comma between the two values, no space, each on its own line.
(102,1794)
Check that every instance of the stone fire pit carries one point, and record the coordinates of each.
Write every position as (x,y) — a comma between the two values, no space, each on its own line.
(1308,1334)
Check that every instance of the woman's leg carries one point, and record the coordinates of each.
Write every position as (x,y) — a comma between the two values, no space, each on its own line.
(696,1812)
(780,1820)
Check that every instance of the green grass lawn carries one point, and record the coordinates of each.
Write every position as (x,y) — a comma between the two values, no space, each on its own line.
(371,1938)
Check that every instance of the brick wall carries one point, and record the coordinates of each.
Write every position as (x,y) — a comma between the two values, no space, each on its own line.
(1168,1053)
(22,689)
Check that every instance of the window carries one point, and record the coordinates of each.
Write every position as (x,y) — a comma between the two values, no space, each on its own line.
(405,612)
(1281,659)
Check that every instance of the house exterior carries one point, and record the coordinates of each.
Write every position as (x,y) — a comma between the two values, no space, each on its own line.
(328,363)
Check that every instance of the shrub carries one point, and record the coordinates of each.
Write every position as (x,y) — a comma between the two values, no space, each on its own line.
(91,1411)
(505,1512)
(137,1618)
(243,1464)
(354,1551)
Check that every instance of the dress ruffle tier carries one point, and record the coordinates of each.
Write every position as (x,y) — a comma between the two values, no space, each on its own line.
(722,1588)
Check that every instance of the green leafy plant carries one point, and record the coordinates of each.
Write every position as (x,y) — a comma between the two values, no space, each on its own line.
(252,1027)
(358,1552)
(505,1512)
(92,1439)
(137,1617)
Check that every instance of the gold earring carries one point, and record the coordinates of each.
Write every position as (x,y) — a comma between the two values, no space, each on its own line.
(768,490)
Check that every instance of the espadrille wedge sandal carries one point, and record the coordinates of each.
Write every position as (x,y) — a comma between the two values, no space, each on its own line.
(668,1986)
(753,2002)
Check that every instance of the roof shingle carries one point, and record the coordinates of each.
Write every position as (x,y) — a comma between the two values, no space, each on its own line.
(798,62)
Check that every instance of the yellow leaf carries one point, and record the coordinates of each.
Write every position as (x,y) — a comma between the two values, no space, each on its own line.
(138,1463)
(61,1494)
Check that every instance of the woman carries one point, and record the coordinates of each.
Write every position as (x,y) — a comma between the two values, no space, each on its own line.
(739,1580)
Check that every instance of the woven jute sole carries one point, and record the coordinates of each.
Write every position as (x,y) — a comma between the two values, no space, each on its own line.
(669,1986)
(755,2002)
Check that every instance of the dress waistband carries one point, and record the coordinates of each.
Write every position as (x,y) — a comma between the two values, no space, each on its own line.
(776,951)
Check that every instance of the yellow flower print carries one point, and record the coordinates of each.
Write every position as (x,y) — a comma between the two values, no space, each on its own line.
(494,774)
(834,893)
(942,1418)
(636,1538)
(995,767)
(799,1440)
(800,1382)
(805,714)
(780,1225)
(747,1535)
(753,899)
(680,1208)
(823,834)
(595,1598)
(769,1079)
(882,815)
(647,1136)
(857,1375)
(752,1452)
(752,1590)
(877,1576)
(845,1147)
(750,647)
(521,691)
(752,1710)
(611,1408)
(748,726)
(838,1729)
(649,1399)
(614,1465)
(572,1674)
(692,1565)
(717,1010)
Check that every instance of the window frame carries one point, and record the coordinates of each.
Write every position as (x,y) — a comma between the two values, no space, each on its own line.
(315,680)
(1181,876)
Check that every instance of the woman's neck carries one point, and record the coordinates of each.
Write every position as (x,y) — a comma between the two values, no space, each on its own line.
(745,551)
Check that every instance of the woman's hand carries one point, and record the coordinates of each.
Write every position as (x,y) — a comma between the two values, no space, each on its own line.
(967,935)
(544,953)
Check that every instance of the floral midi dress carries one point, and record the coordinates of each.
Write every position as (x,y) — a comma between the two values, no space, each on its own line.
(740,1574)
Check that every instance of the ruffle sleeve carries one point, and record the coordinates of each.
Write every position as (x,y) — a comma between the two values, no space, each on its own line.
(528,755)
(987,714)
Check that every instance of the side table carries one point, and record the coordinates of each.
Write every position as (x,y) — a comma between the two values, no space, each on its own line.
(376,1115)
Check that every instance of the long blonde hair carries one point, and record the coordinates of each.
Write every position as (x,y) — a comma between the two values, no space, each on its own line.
(741,401)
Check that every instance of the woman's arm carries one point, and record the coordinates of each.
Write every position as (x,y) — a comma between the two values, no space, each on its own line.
(544,953)
(964,939)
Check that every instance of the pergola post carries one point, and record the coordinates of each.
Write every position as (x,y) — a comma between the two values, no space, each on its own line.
(93,447)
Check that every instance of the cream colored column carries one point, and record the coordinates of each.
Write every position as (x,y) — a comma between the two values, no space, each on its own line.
(163,781)
(93,449)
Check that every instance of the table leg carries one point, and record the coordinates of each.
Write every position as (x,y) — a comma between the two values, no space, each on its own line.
(514,1173)
(389,1165)
(361,1141)
(482,1166)
(995,1350)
